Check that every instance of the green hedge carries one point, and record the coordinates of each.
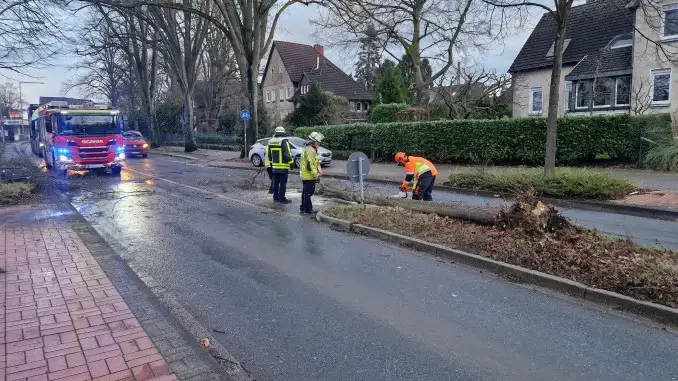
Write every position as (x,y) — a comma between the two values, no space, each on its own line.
(518,140)
(386,113)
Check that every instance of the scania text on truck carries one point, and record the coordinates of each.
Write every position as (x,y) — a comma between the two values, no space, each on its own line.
(79,137)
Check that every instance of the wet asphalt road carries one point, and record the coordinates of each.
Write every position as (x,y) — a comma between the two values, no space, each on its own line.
(298,301)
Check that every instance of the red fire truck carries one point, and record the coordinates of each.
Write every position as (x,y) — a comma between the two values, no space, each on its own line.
(79,137)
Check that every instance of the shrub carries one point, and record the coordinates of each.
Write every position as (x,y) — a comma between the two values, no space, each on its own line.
(386,113)
(663,158)
(14,193)
(563,183)
(518,140)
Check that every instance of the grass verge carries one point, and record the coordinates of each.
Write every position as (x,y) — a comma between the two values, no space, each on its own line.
(16,193)
(564,183)
(564,250)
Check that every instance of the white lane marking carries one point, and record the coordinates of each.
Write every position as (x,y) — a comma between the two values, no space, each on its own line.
(210,192)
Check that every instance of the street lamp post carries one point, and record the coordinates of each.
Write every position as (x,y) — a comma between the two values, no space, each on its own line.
(21,100)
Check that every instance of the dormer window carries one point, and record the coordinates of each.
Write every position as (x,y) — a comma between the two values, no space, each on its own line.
(623,41)
(552,49)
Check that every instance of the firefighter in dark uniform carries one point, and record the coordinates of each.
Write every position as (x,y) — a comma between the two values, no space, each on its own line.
(280,159)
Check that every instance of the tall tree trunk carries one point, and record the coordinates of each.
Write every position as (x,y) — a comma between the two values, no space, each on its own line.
(554,98)
(187,124)
(251,103)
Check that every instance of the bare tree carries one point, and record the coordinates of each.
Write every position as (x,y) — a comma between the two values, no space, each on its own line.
(249,27)
(9,98)
(437,30)
(217,70)
(29,33)
(471,92)
(139,43)
(559,13)
(101,67)
(641,95)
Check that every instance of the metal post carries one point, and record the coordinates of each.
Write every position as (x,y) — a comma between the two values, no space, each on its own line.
(360,173)
(246,123)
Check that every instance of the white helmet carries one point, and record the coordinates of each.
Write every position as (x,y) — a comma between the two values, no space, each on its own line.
(316,137)
(280,130)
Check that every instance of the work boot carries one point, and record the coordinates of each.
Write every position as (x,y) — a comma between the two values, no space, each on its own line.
(285,201)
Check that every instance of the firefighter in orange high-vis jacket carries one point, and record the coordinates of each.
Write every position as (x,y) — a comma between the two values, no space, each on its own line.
(420,176)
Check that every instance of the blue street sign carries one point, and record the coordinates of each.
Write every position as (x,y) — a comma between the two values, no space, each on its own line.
(245,114)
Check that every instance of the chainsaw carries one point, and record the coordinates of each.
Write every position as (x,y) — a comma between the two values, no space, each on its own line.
(405,190)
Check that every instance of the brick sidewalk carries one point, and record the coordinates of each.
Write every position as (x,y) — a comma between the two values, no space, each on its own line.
(62,318)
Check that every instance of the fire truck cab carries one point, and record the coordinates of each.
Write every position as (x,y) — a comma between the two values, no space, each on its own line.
(79,137)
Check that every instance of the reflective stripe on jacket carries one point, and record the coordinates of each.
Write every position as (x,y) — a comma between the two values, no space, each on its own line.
(417,166)
(417,159)
(279,153)
(309,163)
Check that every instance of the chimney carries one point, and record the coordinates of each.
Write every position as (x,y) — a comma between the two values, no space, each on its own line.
(320,49)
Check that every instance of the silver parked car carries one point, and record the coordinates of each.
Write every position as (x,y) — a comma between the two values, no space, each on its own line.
(258,150)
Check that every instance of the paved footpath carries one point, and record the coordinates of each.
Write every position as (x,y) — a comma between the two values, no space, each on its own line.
(62,318)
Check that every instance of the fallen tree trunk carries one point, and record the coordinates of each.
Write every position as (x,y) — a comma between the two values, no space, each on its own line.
(484,215)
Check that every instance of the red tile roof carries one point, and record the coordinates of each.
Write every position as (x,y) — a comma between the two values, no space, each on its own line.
(300,59)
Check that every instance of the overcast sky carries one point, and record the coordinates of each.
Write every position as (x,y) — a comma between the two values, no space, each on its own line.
(295,26)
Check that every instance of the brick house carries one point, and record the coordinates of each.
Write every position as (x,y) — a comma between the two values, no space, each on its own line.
(290,70)
(618,57)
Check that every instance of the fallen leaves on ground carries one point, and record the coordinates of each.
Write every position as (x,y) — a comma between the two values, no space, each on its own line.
(535,236)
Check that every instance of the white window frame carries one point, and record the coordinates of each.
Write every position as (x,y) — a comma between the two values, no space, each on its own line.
(281,94)
(568,95)
(670,7)
(268,96)
(616,91)
(659,72)
(532,90)
(289,92)
(358,106)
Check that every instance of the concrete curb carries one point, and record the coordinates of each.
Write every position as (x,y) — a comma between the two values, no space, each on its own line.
(598,206)
(652,311)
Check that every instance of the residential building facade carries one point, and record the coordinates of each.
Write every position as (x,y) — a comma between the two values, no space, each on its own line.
(292,68)
(618,57)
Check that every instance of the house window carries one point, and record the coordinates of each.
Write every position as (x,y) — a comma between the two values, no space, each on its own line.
(552,49)
(280,69)
(622,42)
(268,96)
(671,20)
(583,94)
(661,87)
(537,100)
(568,95)
(623,91)
(289,92)
(358,106)
(602,95)
(281,94)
